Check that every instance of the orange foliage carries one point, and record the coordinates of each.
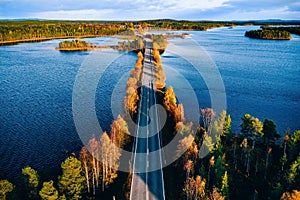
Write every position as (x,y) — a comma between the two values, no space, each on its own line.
(156,56)
(132,102)
(132,82)
(159,71)
(139,62)
(130,91)
(294,195)
(170,100)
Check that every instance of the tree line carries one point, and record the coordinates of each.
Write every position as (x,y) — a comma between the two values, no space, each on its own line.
(135,45)
(14,31)
(36,30)
(291,29)
(75,45)
(269,34)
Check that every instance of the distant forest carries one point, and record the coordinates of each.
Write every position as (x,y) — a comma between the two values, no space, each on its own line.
(15,31)
(274,32)
(269,34)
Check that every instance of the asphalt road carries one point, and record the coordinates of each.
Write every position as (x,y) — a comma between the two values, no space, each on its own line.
(147,183)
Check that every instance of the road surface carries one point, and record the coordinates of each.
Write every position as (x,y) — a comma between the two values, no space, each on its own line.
(147,183)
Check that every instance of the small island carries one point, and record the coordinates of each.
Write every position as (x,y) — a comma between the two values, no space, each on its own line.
(136,44)
(269,34)
(75,45)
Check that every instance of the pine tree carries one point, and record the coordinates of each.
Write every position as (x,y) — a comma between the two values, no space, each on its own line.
(225,187)
(294,170)
(220,170)
(31,181)
(72,182)
(48,191)
(270,133)
(227,125)
(252,128)
(5,187)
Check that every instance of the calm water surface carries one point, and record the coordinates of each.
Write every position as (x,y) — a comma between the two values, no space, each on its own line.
(36,126)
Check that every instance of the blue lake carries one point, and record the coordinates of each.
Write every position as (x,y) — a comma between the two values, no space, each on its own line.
(261,78)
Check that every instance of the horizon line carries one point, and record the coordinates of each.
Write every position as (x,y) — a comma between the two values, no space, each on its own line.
(139,20)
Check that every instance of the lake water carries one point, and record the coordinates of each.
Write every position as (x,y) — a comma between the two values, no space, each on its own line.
(36,82)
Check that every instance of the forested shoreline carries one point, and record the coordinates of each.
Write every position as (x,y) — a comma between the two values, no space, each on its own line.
(292,29)
(269,34)
(14,32)
(274,32)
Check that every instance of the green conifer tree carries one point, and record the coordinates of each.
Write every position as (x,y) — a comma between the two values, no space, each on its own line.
(5,187)
(48,191)
(72,182)
(32,182)
(225,187)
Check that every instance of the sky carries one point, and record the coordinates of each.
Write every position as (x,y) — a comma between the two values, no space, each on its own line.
(150,9)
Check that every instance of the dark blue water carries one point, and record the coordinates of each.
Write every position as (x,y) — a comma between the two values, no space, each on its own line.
(36,125)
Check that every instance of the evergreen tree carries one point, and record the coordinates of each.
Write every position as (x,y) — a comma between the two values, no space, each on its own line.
(48,191)
(219,170)
(270,133)
(225,187)
(31,182)
(294,170)
(227,125)
(252,128)
(294,145)
(5,187)
(72,182)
